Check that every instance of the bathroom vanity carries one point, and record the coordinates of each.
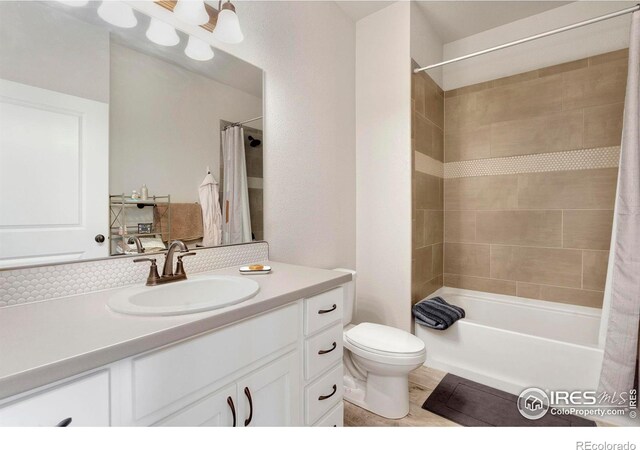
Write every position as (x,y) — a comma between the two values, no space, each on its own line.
(275,359)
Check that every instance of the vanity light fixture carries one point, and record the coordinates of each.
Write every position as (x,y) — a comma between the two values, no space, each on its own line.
(192,12)
(118,14)
(198,49)
(227,29)
(162,33)
(76,3)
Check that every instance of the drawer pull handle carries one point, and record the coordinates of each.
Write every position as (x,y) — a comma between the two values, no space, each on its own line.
(233,409)
(247,392)
(324,352)
(324,397)
(65,422)
(325,311)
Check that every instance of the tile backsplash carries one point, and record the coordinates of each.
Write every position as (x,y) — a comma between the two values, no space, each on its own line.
(25,285)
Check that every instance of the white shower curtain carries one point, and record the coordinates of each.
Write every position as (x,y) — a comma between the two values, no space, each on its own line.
(621,354)
(211,214)
(236,220)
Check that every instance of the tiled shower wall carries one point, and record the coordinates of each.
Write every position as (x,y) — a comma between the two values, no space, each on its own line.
(514,224)
(427,140)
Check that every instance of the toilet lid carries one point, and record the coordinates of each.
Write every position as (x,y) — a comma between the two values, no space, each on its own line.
(381,338)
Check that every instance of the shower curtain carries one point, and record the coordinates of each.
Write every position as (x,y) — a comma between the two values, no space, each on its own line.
(236,221)
(621,355)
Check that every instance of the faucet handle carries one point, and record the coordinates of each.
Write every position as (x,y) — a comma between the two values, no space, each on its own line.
(180,265)
(153,277)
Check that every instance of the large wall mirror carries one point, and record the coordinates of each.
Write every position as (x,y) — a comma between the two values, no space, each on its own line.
(119,140)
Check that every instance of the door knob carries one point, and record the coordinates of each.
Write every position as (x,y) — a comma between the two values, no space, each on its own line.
(99,238)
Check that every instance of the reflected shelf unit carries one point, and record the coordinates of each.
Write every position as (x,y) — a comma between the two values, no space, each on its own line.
(125,215)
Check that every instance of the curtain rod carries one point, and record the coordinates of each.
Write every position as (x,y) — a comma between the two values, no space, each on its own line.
(534,37)
(235,124)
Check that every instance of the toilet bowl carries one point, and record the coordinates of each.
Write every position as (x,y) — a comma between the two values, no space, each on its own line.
(377,361)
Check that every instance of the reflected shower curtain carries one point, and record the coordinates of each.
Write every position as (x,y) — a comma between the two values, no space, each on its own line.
(236,220)
(620,366)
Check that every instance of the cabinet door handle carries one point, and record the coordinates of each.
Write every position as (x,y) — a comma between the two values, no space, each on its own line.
(65,422)
(324,311)
(233,409)
(324,397)
(324,352)
(247,392)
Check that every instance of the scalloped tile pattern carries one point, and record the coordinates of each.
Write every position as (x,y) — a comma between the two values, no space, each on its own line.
(592,158)
(18,286)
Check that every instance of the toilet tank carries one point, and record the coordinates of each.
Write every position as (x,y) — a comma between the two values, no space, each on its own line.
(349,297)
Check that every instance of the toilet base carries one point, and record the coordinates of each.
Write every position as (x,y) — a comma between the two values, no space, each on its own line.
(386,396)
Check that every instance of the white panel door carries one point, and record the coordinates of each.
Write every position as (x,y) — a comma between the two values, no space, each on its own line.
(216,410)
(54,172)
(270,397)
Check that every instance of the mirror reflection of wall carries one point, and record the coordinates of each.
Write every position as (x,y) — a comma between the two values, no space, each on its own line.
(90,114)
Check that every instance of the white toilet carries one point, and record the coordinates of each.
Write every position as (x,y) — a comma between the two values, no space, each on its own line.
(377,362)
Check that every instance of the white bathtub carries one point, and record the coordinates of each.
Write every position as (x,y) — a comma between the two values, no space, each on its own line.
(511,343)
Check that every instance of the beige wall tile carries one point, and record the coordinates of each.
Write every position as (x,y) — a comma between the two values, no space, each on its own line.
(603,125)
(608,57)
(423,134)
(460,226)
(437,146)
(469,144)
(520,100)
(561,295)
(438,259)
(594,269)
(557,267)
(466,259)
(589,229)
(480,284)
(426,289)
(513,79)
(566,67)
(546,134)
(596,85)
(491,192)
(428,191)
(468,89)
(418,228)
(434,103)
(419,92)
(578,189)
(433,227)
(528,228)
(424,264)
(463,114)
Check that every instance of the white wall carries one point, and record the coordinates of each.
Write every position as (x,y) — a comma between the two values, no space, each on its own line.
(165,124)
(426,45)
(64,55)
(383,167)
(307,50)
(591,40)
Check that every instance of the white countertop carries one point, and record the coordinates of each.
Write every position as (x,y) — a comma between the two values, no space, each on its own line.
(47,341)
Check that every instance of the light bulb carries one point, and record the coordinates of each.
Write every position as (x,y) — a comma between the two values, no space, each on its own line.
(118,14)
(198,49)
(191,11)
(162,33)
(228,27)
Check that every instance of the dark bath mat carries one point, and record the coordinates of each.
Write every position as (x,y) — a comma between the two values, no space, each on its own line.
(473,404)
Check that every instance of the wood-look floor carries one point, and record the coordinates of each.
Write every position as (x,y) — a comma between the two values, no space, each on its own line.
(422,382)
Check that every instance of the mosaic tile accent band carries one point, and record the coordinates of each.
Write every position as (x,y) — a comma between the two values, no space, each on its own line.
(428,165)
(25,285)
(593,158)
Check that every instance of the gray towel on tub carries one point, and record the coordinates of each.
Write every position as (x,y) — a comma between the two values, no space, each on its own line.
(436,313)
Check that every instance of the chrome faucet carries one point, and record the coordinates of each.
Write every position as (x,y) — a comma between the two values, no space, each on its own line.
(167,272)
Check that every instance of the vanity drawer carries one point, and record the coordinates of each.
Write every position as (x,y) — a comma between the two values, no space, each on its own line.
(323,395)
(323,351)
(323,310)
(85,401)
(334,418)
(165,376)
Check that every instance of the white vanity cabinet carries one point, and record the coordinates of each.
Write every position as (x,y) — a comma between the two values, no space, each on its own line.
(280,368)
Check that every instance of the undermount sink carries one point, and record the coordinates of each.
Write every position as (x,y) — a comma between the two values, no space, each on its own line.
(196,294)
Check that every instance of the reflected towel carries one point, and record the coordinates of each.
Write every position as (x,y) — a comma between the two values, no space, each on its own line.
(436,313)
(186,221)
